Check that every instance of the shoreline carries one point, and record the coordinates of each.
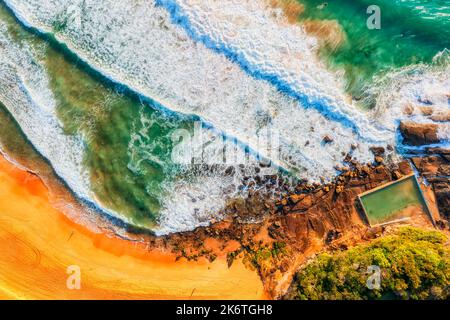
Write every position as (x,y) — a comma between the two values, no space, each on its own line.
(39,242)
(47,225)
(207,263)
(310,218)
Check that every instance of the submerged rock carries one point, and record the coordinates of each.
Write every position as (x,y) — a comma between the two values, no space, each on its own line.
(378,151)
(441,116)
(327,139)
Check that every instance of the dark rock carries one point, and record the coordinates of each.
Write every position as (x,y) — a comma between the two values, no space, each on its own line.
(365,169)
(418,133)
(442,224)
(327,139)
(442,192)
(379,159)
(439,151)
(397,175)
(264,164)
(331,236)
(378,151)
(348,158)
(425,101)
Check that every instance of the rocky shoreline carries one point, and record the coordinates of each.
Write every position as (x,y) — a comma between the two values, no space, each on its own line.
(432,163)
(308,219)
(277,234)
(418,134)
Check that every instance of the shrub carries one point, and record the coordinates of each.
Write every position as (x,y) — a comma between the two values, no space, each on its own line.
(414,264)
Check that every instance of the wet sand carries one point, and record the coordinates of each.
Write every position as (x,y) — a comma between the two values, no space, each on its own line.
(38,243)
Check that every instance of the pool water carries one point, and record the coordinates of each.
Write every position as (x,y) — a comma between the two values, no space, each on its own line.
(386,203)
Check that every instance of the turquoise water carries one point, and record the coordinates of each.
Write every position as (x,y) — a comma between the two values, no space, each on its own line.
(128,144)
(412,32)
(128,140)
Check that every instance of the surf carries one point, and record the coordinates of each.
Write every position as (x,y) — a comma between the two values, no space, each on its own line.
(62,110)
(208,104)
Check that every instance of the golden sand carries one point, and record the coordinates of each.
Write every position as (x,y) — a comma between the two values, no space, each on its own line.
(38,243)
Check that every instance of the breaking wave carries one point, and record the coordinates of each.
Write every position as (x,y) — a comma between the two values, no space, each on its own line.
(160,60)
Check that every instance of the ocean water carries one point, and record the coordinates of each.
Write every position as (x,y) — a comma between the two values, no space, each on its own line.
(412,32)
(111,147)
(106,91)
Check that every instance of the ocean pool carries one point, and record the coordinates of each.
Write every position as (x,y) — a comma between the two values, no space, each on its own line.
(386,203)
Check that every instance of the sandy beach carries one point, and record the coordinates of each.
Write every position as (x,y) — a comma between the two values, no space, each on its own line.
(38,243)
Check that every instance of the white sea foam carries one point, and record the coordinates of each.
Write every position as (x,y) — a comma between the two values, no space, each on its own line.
(405,93)
(196,66)
(189,197)
(135,43)
(195,202)
(260,39)
(25,92)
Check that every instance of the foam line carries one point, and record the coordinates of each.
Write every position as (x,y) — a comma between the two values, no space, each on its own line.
(273,73)
(154,101)
(227,114)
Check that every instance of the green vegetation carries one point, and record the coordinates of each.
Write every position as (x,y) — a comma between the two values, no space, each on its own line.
(265,257)
(260,256)
(414,265)
(266,253)
(231,256)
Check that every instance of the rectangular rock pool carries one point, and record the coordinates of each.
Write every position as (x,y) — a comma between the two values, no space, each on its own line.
(394,201)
